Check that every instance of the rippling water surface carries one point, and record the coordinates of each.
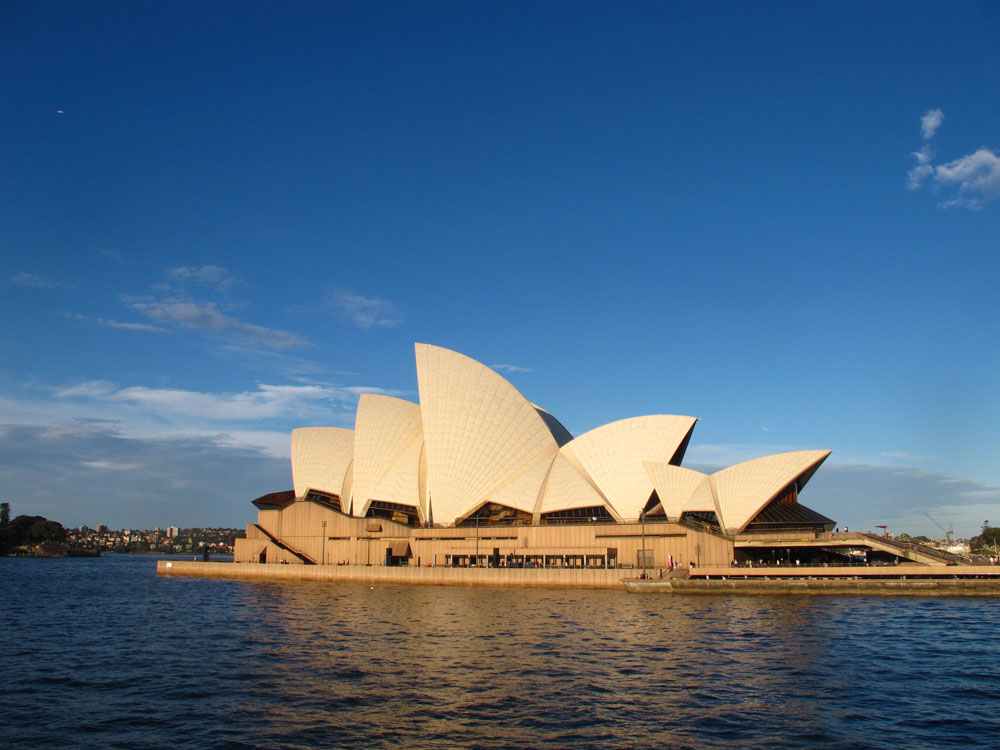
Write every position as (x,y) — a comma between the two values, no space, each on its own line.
(103,653)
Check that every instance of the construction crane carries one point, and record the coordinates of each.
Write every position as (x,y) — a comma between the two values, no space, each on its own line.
(947,532)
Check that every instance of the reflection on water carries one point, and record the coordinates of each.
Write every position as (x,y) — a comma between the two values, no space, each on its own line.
(103,653)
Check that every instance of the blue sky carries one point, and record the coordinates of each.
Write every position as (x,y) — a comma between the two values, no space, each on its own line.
(221,221)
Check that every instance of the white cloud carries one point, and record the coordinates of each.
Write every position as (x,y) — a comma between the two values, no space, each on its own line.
(977,177)
(364,312)
(972,179)
(36,281)
(930,122)
(916,176)
(924,155)
(510,368)
(205,316)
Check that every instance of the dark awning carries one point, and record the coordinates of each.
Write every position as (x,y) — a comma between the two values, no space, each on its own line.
(275,500)
(400,549)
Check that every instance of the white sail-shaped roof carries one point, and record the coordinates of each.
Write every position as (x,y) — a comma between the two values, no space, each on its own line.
(401,483)
(479,431)
(523,490)
(320,457)
(567,488)
(703,499)
(678,487)
(612,456)
(384,428)
(743,490)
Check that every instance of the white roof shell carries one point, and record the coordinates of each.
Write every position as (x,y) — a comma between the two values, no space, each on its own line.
(612,456)
(743,490)
(567,488)
(678,488)
(480,433)
(320,458)
(388,434)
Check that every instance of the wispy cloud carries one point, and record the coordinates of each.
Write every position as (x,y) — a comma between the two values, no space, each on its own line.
(206,316)
(268,401)
(217,277)
(863,496)
(720,455)
(120,325)
(87,389)
(110,465)
(114,255)
(357,390)
(94,474)
(972,180)
(37,281)
(205,410)
(510,368)
(144,327)
(930,122)
(904,456)
(364,312)
(175,303)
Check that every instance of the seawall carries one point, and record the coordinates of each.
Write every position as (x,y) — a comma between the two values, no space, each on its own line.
(592,578)
(851,581)
(883,587)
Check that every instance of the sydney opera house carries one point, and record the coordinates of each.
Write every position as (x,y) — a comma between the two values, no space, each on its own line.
(475,474)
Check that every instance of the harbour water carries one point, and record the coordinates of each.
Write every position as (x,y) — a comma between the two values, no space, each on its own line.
(103,653)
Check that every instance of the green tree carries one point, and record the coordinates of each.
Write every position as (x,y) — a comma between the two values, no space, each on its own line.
(988,541)
(4,523)
(33,530)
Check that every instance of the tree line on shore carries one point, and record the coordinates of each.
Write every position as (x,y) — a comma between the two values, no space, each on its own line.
(26,530)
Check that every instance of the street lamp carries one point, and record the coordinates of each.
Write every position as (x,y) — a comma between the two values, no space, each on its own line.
(642,552)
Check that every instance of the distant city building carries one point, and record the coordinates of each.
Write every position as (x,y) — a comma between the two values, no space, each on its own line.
(172,532)
(102,529)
